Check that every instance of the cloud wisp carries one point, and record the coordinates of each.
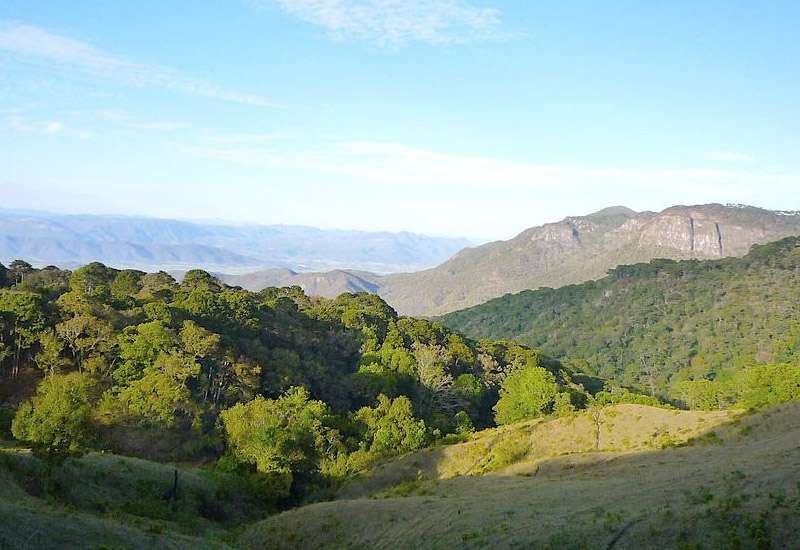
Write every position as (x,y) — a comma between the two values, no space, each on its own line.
(42,127)
(727,156)
(38,45)
(389,164)
(395,22)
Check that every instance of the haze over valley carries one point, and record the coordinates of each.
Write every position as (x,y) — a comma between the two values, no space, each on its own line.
(574,250)
(154,244)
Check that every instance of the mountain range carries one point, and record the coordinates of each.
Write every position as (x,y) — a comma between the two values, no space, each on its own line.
(397,266)
(574,250)
(70,241)
(382,415)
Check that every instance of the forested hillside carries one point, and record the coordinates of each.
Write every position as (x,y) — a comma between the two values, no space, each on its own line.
(697,331)
(275,400)
(299,391)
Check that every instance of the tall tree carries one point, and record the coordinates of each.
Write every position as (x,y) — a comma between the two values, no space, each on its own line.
(18,270)
(286,436)
(49,358)
(93,281)
(525,393)
(391,428)
(57,421)
(23,316)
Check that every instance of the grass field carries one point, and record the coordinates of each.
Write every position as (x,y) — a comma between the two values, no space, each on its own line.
(734,484)
(525,446)
(626,477)
(108,501)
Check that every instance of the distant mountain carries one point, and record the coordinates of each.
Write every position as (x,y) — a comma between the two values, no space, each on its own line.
(328,262)
(583,248)
(74,252)
(150,243)
(328,284)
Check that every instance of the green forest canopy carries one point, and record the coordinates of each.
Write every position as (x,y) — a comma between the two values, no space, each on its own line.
(297,390)
(687,330)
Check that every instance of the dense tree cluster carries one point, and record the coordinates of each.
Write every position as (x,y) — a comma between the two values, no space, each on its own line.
(297,392)
(693,331)
(292,389)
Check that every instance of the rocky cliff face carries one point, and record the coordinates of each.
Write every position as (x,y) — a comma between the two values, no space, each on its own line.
(578,249)
(687,232)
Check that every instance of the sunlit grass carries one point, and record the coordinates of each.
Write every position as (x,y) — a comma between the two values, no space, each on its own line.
(737,488)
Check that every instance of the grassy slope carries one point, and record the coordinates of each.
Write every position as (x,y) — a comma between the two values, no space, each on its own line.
(737,482)
(115,502)
(33,526)
(524,446)
(736,485)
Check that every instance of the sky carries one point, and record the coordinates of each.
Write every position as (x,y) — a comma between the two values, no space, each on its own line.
(443,117)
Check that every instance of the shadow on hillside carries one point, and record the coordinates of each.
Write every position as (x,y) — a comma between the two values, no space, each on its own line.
(730,484)
(528,448)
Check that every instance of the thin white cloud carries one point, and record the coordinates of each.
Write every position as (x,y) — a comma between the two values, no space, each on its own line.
(158,126)
(20,126)
(395,22)
(52,127)
(27,126)
(727,156)
(396,165)
(36,44)
(472,195)
(243,139)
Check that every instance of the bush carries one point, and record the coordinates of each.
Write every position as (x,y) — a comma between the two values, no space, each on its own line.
(57,421)
(526,393)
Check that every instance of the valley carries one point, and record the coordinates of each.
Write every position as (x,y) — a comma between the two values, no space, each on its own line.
(397,274)
(138,242)
(654,407)
(574,250)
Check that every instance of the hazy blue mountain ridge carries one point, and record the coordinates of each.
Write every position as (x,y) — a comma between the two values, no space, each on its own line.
(152,243)
(397,266)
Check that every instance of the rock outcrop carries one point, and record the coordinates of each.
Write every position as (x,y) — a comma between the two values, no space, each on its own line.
(578,249)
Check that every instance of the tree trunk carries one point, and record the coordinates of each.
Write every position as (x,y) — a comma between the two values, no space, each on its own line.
(17,356)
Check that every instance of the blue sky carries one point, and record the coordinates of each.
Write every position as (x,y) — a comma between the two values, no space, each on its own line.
(447,117)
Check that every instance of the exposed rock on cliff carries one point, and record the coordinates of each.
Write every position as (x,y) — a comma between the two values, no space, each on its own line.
(578,249)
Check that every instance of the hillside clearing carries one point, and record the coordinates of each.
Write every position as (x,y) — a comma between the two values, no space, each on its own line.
(524,447)
(736,487)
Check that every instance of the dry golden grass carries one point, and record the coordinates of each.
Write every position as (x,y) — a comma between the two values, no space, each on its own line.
(521,447)
(734,486)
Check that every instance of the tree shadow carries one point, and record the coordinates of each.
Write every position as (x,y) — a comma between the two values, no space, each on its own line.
(729,483)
